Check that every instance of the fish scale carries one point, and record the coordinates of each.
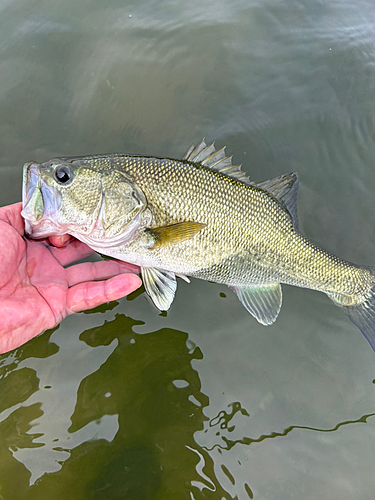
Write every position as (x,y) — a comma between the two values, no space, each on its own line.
(200,217)
(242,221)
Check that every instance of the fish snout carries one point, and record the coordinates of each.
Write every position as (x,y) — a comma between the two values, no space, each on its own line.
(32,199)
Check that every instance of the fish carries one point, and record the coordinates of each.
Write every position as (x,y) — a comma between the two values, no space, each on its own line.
(199,217)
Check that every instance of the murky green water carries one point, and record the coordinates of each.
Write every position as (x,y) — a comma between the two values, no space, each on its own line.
(124,403)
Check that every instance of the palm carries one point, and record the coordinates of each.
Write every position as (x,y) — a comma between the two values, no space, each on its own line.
(37,292)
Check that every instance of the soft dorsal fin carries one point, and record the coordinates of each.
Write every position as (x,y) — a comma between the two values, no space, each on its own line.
(285,189)
(209,157)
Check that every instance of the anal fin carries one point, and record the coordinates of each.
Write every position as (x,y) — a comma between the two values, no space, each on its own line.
(160,285)
(262,301)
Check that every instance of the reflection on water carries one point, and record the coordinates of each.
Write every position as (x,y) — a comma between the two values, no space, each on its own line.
(146,450)
(135,426)
(247,440)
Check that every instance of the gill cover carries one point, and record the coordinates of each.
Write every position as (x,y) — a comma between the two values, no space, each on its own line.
(121,203)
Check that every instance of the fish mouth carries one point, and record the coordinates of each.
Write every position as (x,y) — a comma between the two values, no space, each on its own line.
(39,203)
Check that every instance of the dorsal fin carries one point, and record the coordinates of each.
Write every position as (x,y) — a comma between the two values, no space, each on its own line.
(209,157)
(285,189)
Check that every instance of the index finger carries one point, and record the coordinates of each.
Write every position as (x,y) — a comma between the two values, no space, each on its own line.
(61,240)
(73,252)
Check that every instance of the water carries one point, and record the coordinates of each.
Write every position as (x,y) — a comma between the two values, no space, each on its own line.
(125,403)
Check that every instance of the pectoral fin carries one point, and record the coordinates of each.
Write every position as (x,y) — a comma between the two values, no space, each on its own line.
(262,301)
(160,286)
(174,233)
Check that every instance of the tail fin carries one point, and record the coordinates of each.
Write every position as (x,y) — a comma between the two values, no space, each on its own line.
(362,314)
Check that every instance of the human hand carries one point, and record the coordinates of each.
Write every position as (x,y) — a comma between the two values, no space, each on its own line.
(37,292)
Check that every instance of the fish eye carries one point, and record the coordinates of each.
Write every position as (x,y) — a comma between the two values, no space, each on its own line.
(63,174)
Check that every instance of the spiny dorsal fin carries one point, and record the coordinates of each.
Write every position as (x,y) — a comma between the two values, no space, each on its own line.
(285,189)
(174,233)
(209,157)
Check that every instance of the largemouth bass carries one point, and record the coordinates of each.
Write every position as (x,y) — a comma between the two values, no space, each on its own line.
(199,217)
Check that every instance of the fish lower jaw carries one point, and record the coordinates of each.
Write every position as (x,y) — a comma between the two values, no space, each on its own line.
(44,229)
